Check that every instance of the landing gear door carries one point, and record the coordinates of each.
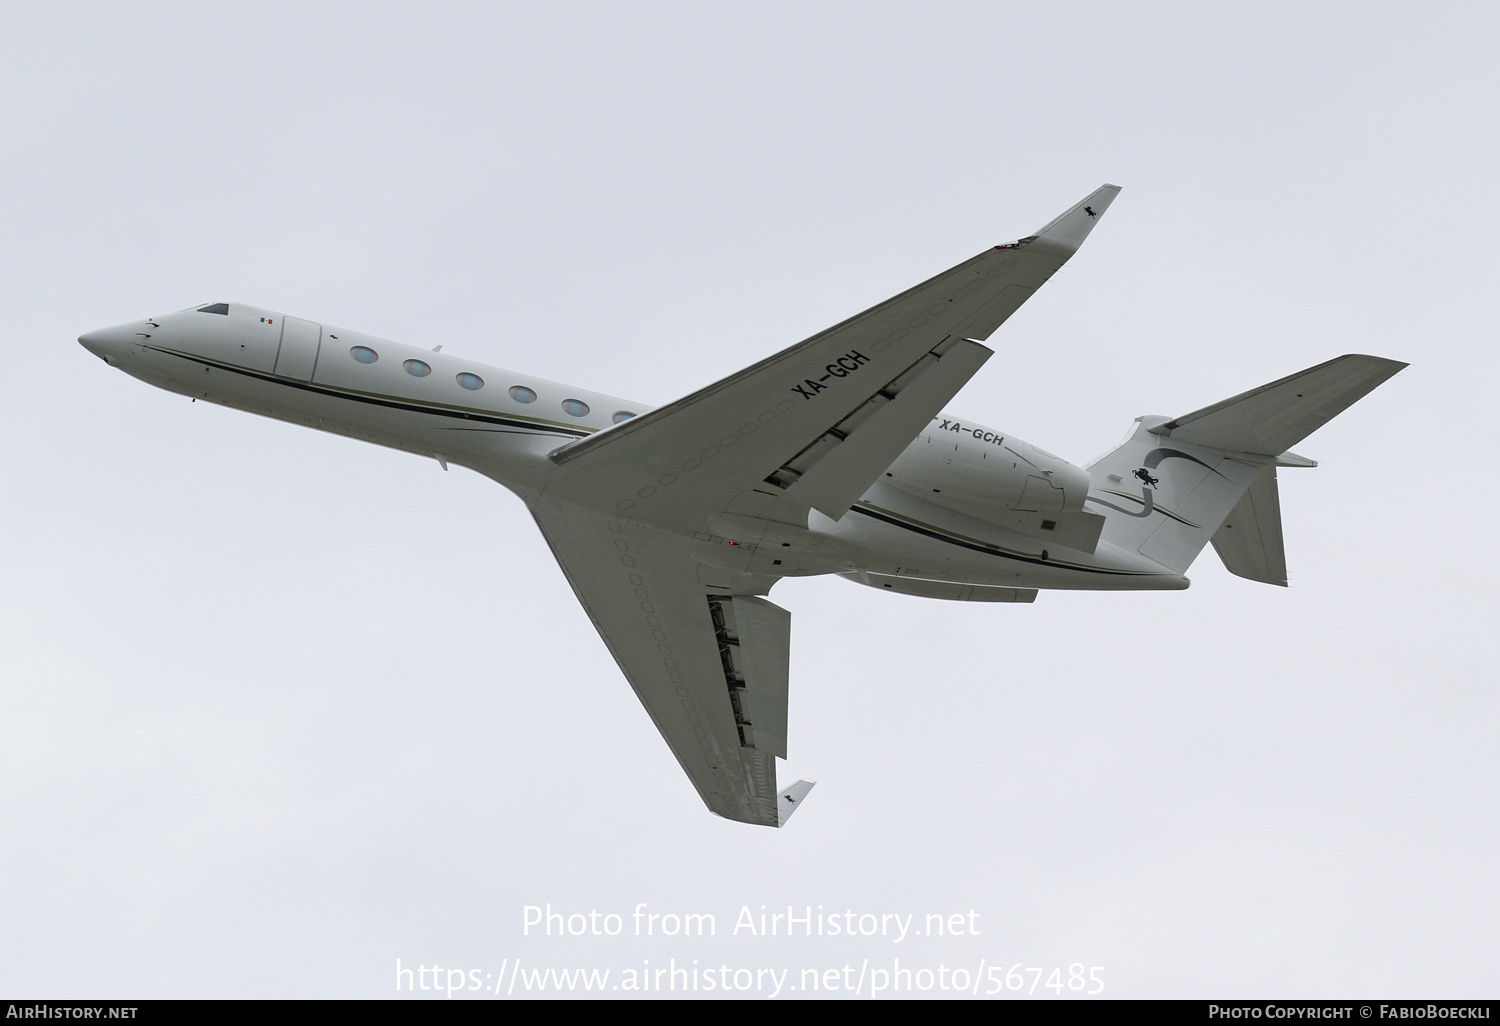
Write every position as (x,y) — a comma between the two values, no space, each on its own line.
(299,348)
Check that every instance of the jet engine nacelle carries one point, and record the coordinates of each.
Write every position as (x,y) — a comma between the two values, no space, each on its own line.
(972,469)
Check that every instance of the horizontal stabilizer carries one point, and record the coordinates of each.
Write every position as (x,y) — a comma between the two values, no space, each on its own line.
(1249,541)
(788,800)
(1271,419)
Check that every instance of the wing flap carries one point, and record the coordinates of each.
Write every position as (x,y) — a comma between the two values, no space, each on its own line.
(755,638)
(846,459)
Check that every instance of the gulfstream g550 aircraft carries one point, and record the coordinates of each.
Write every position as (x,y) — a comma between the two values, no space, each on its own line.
(831,457)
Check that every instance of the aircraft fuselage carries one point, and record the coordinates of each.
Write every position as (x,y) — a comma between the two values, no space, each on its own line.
(503,424)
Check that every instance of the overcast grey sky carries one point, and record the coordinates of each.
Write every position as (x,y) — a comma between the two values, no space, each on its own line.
(278,708)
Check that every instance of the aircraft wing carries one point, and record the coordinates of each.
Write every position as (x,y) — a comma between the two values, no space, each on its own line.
(709,666)
(815,425)
(809,428)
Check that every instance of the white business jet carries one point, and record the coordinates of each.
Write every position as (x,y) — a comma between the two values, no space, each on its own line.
(831,457)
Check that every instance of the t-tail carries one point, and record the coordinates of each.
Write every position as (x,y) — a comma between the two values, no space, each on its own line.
(1178,483)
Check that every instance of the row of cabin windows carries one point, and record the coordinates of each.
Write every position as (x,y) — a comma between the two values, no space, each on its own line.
(473,382)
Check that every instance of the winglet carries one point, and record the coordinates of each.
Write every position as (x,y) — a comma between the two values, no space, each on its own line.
(788,800)
(1068,230)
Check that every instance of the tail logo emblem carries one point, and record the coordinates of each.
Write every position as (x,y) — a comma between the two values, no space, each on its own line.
(1147,498)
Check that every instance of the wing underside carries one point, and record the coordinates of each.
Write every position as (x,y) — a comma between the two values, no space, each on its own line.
(708,664)
(810,428)
(814,425)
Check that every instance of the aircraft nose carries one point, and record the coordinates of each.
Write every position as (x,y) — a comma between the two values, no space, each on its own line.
(114,344)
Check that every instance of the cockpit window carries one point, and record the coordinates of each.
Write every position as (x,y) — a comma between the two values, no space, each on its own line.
(218,308)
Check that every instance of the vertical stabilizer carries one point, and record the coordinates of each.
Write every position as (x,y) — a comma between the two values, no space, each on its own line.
(1271,419)
(1165,501)
(1177,483)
